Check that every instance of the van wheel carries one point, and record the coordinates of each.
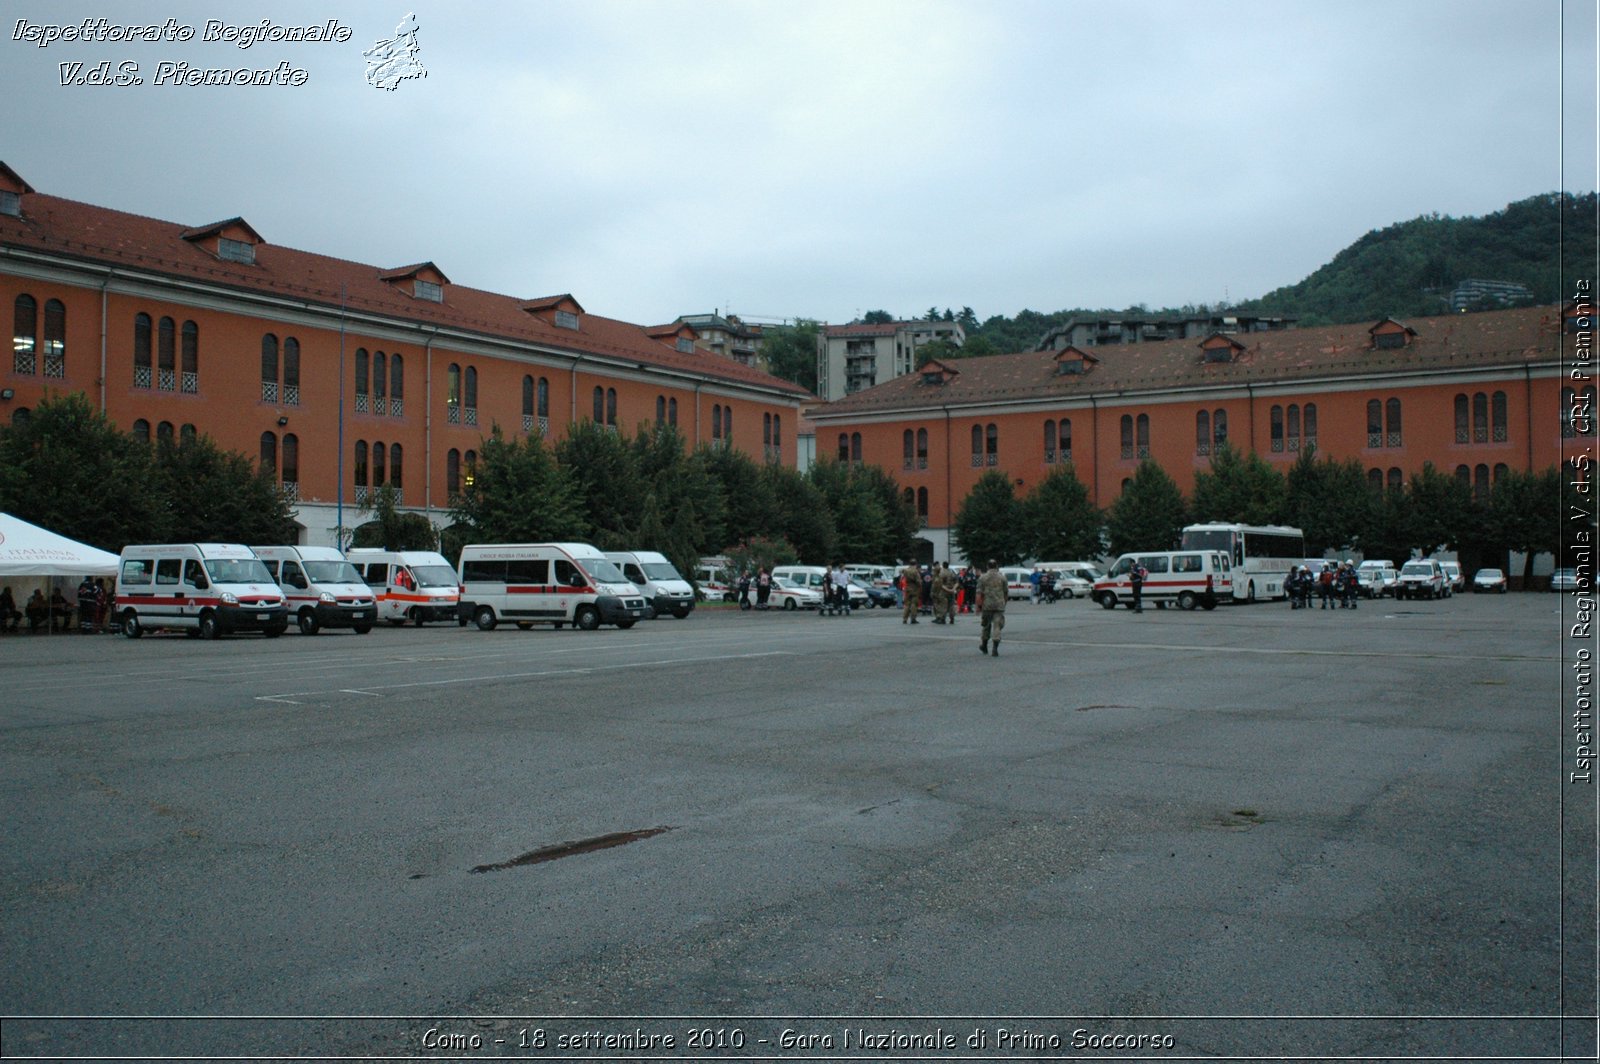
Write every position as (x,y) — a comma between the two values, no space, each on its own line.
(523,626)
(649,612)
(363,629)
(484,619)
(1187,600)
(1250,592)
(415,616)
(587,618)
(625,625)
(275,631)
(130,625)
(396,622)
(208,626)
(308,622)
(1108,600)
(681,612)
(1209,602)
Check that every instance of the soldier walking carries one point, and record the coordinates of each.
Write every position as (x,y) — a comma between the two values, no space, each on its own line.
(941,597)
(952,585)
(992,592)
(911,584)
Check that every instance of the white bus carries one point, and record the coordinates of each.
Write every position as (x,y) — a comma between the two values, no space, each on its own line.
(1262,555)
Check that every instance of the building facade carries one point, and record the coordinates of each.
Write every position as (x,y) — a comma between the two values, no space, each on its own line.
(729,336)
(1098,332)
(1474,394)
(342,377)
(851,358)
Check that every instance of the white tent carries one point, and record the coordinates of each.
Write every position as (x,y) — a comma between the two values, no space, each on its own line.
(28,550)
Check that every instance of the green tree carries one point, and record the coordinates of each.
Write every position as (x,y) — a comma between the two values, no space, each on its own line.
(989,523)
(941,349)
(750,502)
(800,510)
(1329,501)
(897,517)
(877,317)
(391,528)
(1439,510)
(519,494)
(67,468)
(1239,487)
(218,496)
(1519,515)
(1149,515)
(604,470)
(1060,521)
(791,352)
(859,522)
(1387,533)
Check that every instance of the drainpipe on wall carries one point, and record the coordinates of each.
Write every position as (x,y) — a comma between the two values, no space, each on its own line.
(103,327)
(573,420)
(1250,408)
(427,428)
(1094,438)
(1527,401)
(949,460)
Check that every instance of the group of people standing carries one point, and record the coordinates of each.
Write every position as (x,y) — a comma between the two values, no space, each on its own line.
(948,592)
(55,612)
(1336,583)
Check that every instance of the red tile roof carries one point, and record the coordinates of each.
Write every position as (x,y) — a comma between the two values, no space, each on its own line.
(1450,342)
(68,229)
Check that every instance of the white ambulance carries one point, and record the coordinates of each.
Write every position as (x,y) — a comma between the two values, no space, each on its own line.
(322,588)
(1189,578)
(664,588)
(202,589)
(545,583)
(410,585)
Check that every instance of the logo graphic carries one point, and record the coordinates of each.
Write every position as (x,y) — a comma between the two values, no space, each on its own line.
(393,61)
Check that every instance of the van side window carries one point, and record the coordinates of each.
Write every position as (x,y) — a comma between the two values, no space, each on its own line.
(167,570)
(377,574)
(569,575)
(292,575)
(1157,564)
(137,571)
(194,574)
(634,574)
(535,571)
(1186,563)
(272,568)
(404,579)
(477,570)
(1123,567)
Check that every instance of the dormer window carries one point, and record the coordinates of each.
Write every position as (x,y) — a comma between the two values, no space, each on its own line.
(933,377)
(1070,366)
(11,189)
(236,251)
(939,373)
(428,290)
(11,203)
(566,319)
(1390,335)
(684,344)
(1071,360)
(1218,348)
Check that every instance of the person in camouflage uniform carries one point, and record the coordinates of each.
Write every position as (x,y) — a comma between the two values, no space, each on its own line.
(992,591)
(941,598)
(911,584)
(951,583)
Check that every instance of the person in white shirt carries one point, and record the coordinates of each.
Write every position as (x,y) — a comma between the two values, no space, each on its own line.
(841,587)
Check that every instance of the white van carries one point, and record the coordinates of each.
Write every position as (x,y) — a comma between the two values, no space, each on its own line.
(410,585)
(1188,577)
(1073,578)
(204,589)
(545,583)
(1019,581)
(664,588)
(322,588)
(815,578)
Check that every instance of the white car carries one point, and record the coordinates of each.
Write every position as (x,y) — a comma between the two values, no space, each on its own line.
(1422,578)
(1489,580)
(788,595)
(1452,573)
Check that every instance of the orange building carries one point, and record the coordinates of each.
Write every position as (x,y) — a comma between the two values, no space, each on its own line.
(1475,394)
(343,377)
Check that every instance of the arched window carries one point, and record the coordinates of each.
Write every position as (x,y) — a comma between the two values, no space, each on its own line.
(1499,431)
(360,467)
(716,422)
(527,401)
(1480,482)
(1375,479)
(165,432)
(167,355)
(544,398)
(1463,420)
(1142,434)
(189,379)
(143,365)
(922,506)
(469,397)
(187,433)
(380,383)
(269,453)
(397,384)
(452,472)
(291,371)
(1219,427)
(1064,438)
(1501,471)
(1391,413)
(269,368)
(1397,480)
(1311,424)
(600,407)
(922,443)
(469,468)
(24,334)
(395,456)
(908,448)
(1480,418)
(611,407)
(379,463)
(844,449)
(672,411)
(991,444)
(1049,441)
(727,424)
(1275,432)
(363,390)
(855,447)
(1374,423)
(766,429)
(1464,475)
(141,430)
(1294,426)
(1202,432)
(977,446)
(452,394)
(661,410)
(291,458)
(1126,426)
(910,497)
(55,338)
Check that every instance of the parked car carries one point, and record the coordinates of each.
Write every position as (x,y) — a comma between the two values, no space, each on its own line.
(1453,573)
(1564,580)
(816,578)
(1376,583)
(1422,578)
(882,597)
(788,595)
(1489,580)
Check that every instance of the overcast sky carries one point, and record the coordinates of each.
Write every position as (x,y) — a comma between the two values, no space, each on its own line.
(820,159)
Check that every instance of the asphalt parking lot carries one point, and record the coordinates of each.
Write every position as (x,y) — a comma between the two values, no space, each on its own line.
(1252,831)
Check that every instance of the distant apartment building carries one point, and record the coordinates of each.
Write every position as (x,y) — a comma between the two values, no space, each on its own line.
(729,336)
(852,358)
(1479,294)
(1093,332)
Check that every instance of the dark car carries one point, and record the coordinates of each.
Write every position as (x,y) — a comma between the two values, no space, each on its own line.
(881,597)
